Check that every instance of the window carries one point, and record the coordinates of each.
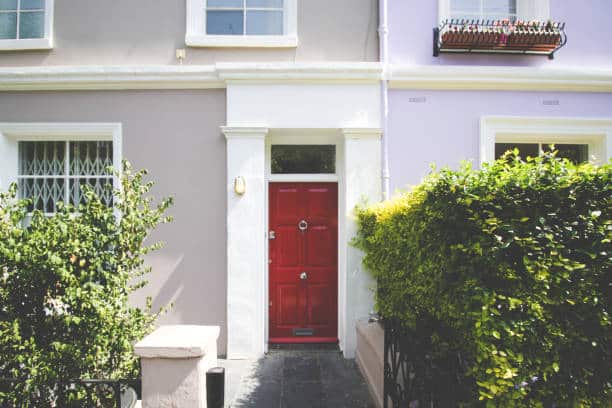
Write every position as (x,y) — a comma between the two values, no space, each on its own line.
(244,17)
(483,9)
(576,153)
(578,139)
(54,171)
(25,24)
(494,9)
(241,23)
(303,159)
(51,161)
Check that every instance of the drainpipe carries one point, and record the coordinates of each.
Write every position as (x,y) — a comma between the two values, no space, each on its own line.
(383,36)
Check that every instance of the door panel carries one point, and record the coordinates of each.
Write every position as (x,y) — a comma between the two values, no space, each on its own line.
(303,272)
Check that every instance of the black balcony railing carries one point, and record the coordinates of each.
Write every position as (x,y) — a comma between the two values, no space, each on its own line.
(499,37)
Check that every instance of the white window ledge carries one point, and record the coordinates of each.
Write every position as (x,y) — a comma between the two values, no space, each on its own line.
(26,44)
(261,41)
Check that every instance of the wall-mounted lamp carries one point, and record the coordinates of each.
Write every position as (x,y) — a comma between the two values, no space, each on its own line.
(180,55)
(239,185)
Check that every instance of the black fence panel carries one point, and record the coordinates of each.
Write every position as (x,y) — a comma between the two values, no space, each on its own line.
(90,393)
(415,379)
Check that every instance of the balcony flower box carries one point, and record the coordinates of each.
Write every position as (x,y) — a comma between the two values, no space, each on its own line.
(500,36)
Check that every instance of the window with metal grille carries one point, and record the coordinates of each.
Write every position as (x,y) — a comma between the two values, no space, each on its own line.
(483,9)
(245,17)
(22,19)
(54,171)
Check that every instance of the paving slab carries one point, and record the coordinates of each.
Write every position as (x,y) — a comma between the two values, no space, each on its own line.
(299,377)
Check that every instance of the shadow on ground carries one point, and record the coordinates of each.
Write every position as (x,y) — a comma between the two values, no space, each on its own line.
(303,377)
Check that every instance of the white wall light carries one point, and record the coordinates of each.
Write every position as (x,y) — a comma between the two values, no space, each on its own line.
(239,185)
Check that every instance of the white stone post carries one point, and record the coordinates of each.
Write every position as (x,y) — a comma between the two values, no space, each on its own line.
(362,182)
(174,362)
(246,233)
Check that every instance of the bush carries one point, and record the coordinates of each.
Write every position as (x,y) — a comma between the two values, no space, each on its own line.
(64,286)
(508,266)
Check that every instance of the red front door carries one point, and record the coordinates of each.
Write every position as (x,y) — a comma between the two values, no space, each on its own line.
(303,262)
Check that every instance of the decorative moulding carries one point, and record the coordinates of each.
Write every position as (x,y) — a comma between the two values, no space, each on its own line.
(361,133)
(219,75)
(499,78)
(244,132)
(182,77)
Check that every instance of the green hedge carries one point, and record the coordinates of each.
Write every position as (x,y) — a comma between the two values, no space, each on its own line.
(509,266)
(65,282)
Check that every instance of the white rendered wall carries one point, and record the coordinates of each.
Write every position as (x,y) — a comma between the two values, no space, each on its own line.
(362,175)
(322,106)
(246,231)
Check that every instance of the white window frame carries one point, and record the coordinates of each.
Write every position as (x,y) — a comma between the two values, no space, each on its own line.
(525,10)
(13,133)
(44,43)
(595,132)
(196,30)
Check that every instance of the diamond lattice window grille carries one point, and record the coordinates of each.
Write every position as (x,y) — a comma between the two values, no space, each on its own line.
(52,171)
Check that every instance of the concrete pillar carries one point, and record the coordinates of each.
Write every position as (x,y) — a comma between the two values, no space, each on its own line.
(362,184)
(174,362)
(246,234)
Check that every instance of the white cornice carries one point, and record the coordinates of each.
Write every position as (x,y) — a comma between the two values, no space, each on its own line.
(244,132)
(111,77)
(499,78)
(180,76)
(302,72)
(219,75)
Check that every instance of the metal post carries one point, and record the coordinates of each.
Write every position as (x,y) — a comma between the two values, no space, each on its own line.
(215,387)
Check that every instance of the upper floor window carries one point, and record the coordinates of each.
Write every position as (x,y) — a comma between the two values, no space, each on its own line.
(25,24)
(483,9)
(244,17)
(494,10)
(241,23)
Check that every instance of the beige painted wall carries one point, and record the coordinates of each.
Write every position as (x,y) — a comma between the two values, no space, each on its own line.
(176,136)
(140,32)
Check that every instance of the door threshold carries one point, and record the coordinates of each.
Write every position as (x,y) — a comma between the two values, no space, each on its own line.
(328,347)
(303,340)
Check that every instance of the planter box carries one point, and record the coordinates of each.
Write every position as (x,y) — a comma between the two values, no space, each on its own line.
(499,37)
(370,357)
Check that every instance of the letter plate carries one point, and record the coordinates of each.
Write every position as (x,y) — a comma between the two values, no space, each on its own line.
(303,332)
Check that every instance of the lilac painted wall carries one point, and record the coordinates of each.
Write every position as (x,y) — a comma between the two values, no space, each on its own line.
(445,129)
(588,29)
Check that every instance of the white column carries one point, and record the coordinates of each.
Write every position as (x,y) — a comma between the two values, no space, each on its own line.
(362,183)
(246,242)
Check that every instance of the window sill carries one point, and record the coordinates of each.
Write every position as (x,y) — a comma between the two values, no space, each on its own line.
(254,41)
(26,44)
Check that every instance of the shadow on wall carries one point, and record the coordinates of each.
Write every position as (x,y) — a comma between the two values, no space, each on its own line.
(179,284)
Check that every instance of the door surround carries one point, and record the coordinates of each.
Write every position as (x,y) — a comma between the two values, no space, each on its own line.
(358,176)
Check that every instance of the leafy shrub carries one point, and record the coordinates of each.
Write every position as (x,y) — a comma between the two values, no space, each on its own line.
(508,267)
(64,286)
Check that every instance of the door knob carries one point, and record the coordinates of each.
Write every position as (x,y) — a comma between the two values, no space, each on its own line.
(303,276)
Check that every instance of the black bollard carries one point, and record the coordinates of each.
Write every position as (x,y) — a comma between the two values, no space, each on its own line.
(215,387)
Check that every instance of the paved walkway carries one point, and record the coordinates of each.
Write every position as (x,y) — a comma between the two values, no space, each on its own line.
(309,378)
